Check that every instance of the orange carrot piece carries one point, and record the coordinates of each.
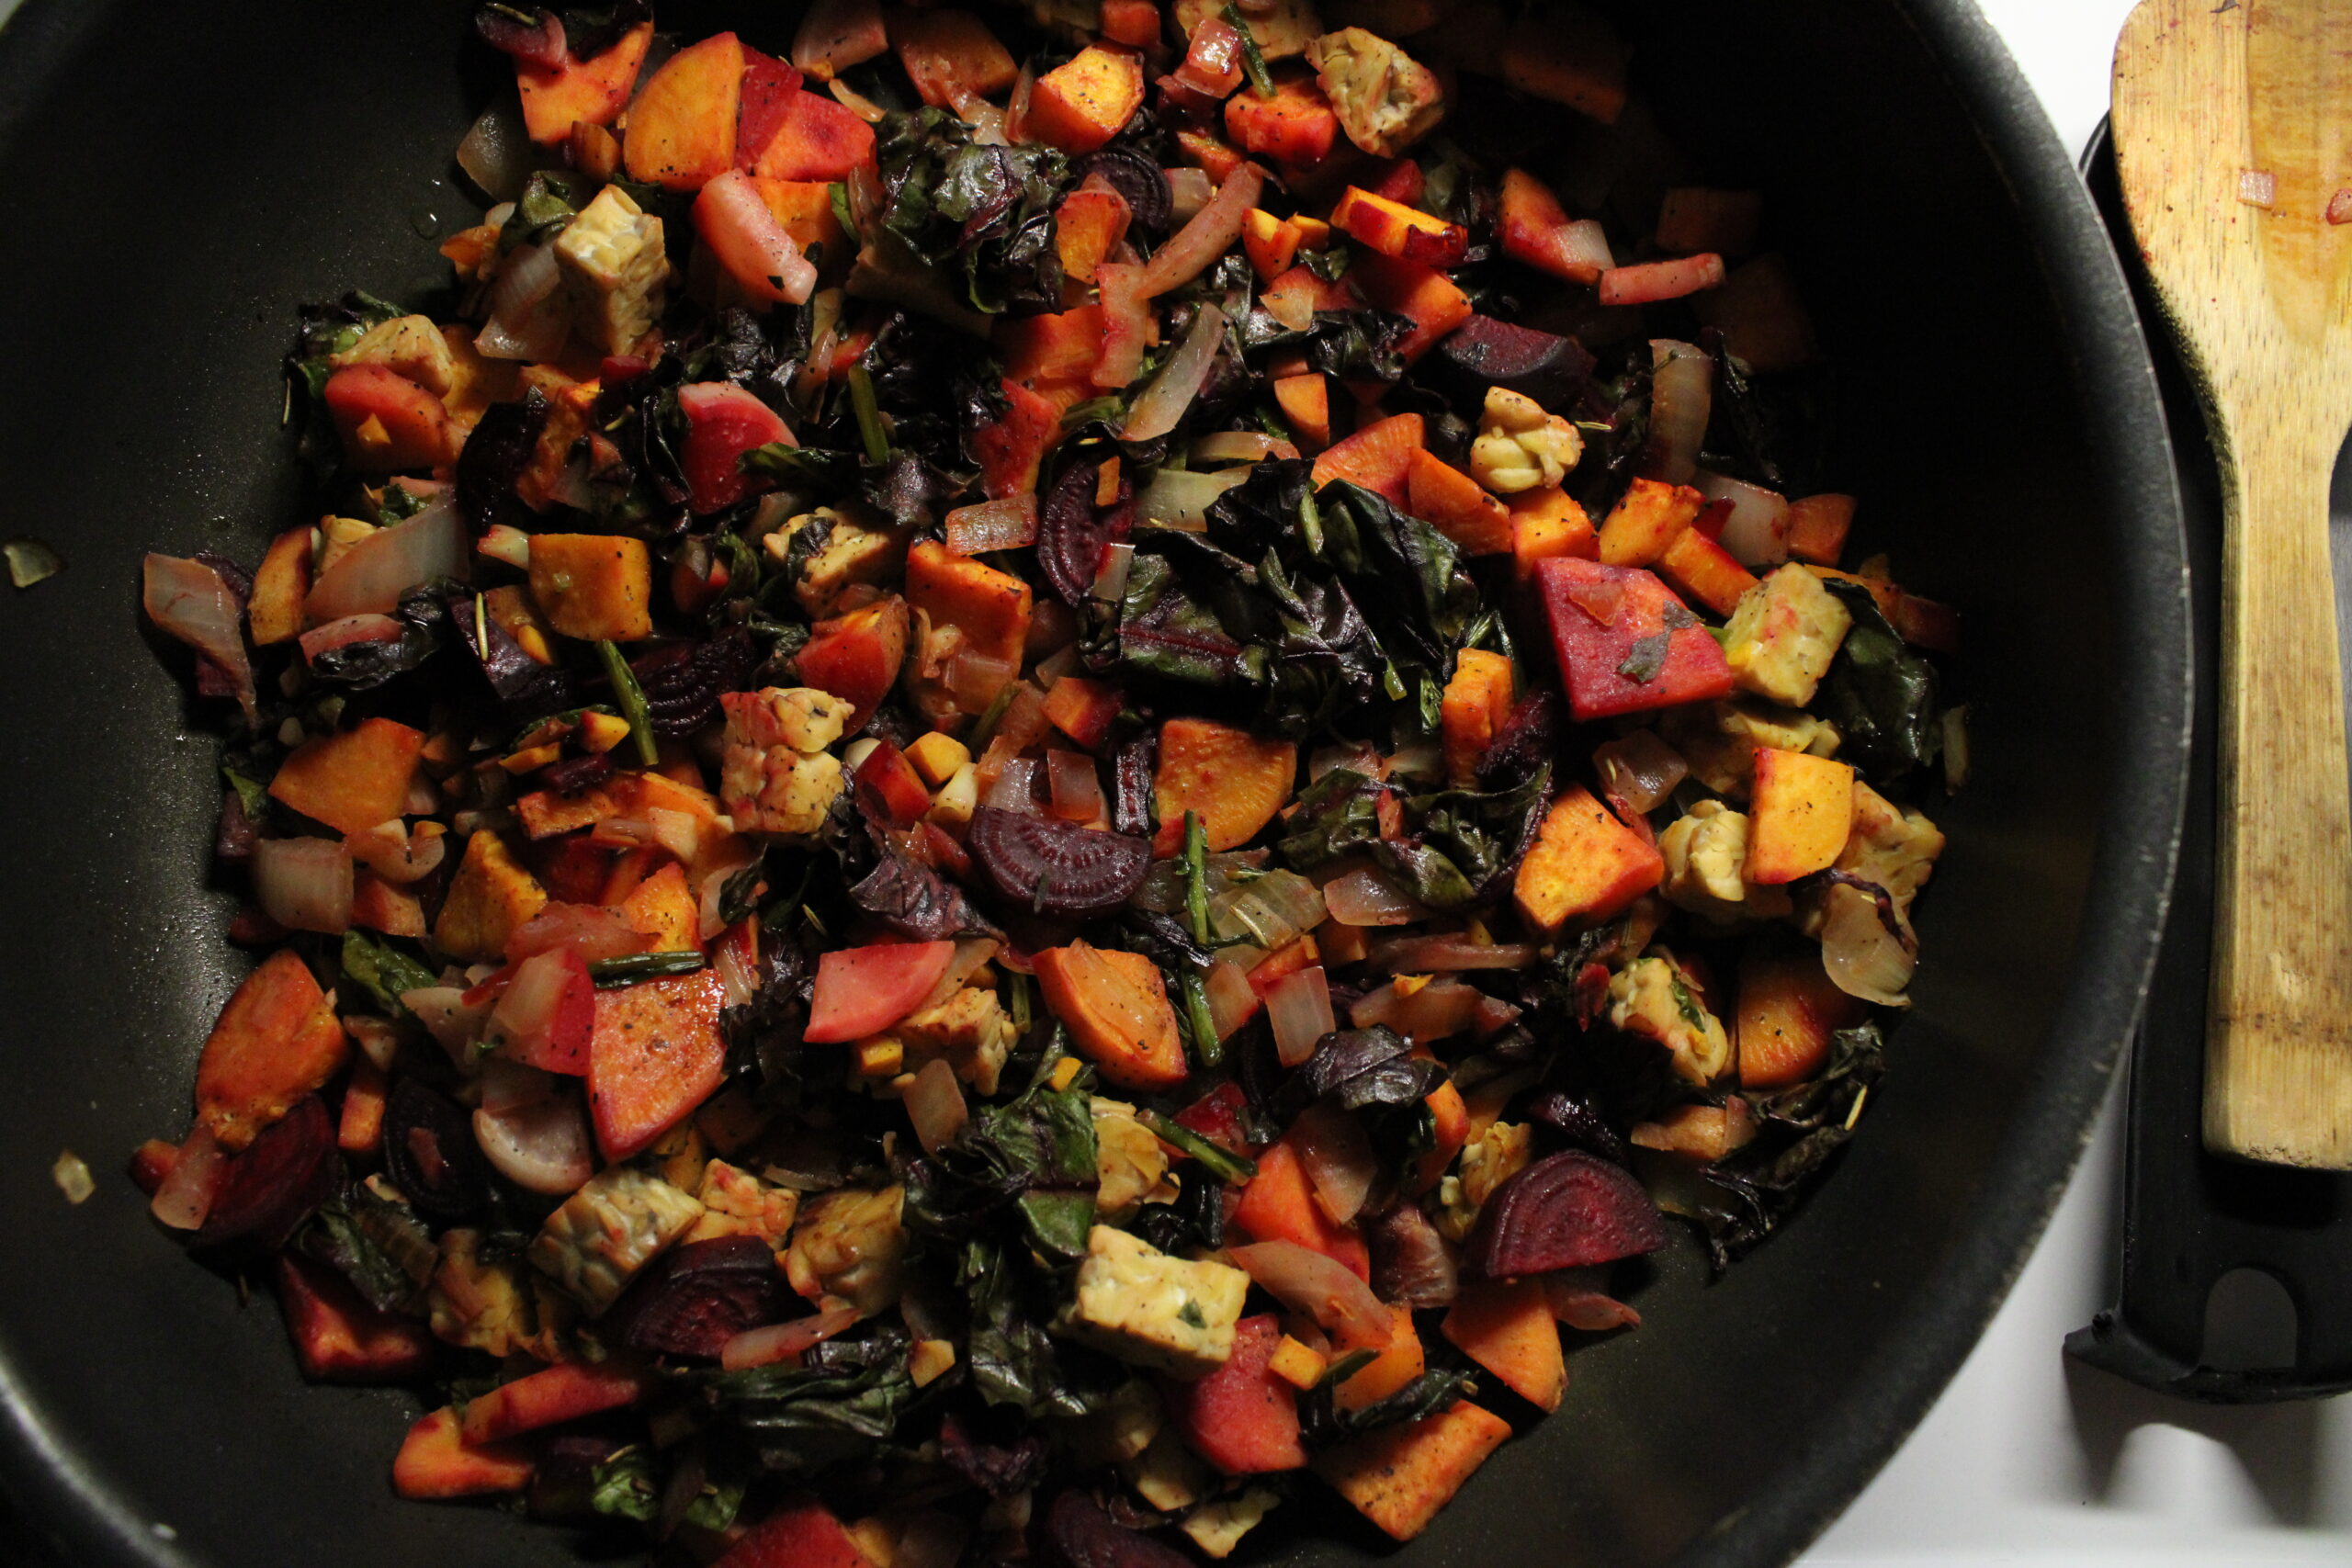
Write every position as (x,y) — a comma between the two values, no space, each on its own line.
(1115,1005)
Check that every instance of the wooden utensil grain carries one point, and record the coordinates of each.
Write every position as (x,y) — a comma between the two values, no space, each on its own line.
(2232,130)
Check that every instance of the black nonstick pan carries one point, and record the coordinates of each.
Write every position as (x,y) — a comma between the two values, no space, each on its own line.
(178,177)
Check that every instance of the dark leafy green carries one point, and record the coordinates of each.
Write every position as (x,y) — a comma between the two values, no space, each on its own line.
(984,212)
(1463,846)
(383,970)
(1337,813)
(1879,694)
(1357,1069)
(841,1406)
(1801,1129)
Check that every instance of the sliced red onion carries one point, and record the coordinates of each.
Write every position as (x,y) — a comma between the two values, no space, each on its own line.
(1863,957)
(543,1145)
(1368,897)
(785,1341)
(587,930)
(1756,532)
(449,1018)
(1073,785)
(1326,1290)
(1126,324)
(1210,233)
(496,153)
(370,577)
(189,600)
(1232,1002)
(935,1104)
(1577,1300)
(1444,954)
(185,1196)
(1004,524)
(1180,380)
(1639,769)
(1180,498)
(1189,190)
(1682,381)
(1299,1008)
(1422,1014)
(1015,788)
(1337,1156)
(1240,446)
(755,250)
(305,885)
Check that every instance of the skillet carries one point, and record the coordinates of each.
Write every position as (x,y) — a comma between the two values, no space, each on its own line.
(179,177)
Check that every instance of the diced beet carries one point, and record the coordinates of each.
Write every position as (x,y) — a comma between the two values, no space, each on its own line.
(1529,738)
(494,457)
(430,1153)
(1080,1534)
(1412,1263)
(1131,785)
(279,1181)
(1625,643)
(1073,532)
(1577,1121)
(699,1296)
(569,775)
(681,680)
(233,838)
(1241,1417)
(1565,1211)
(1055,867)
(1484,352)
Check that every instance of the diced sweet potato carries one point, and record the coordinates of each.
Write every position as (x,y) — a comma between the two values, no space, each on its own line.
(1571,56)
(1706,572)
(1010,449)
(1800,812)
(593,586)
(1395,229)
(1788,1012)
(665,908)
(1536,229)
(1295,296)
(274,612)
(560,1392)
(1080,105)
(275,1041)
(1115,1005)
(1295,127)
(1509,1330)
(1450,1123)
(656,1055)
(801,1534)
(1087,227)
(1477,702)
(594,91)
(1425,295)
(1235,780)
(1052,350)
(1451,501)
(1817,523)
(1279,1204)
(1379,458)
(360,1131)
(1698,1133)
(1394,1363)
(1135,23)
(1585,864)
(1207,152)
(1545,523)
(436,1462)
(804,209)
(338,1338)
(490,899)
(989,607)
(950,56)
(388,423)
(1399,1477)
(1271,244)
(352,780)
(1642,524)
(856,657)
(815,138)
(1083,708)
(1306,402)
(681,126)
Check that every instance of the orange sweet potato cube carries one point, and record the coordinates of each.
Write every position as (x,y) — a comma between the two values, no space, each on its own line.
(275,1041)
(1509,1330)
(1452,502)
(354,779)
(491,896)
(1295,127)
(1208,153)
(274,613)
(1704,570)
(1642,524)
(656,1053)
(681,126)
(1477,701)
(803,208)
(1585,864)
(951,56)
(1817,527)
(1306,402)
(1379,456)
(1395,230)
(1080,105)
(1799,811)
(1115,1005)
(990,608)
(1270,242)
(1399,1477)
(1087,227)
(1234,781)
(1420,293)
(589,91)
(665,908)
(1545,524)
(1788,1011)
(596,587)
(436,1462)
(1393,1364)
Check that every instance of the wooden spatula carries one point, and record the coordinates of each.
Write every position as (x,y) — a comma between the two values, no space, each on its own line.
(2232,131)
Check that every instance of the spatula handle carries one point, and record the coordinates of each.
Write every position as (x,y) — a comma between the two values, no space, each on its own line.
(2278,1053)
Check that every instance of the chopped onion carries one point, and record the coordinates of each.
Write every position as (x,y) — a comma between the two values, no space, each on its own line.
(378,1039)
(1447,954)
(1232,1001)
(713,895)
(185,1196)
(305,885)
(449,1018)
(1180,498)
(1111,578)
(993,525)
(785,1341)
(972,954)
(189,600)
(1189,190)
(1075,787)
(1015,788)
(1639,769)
(1368,897)
(1127,325)
(1240,446)
(1682,380)
(857,103)
(757,253)
(1357,756)
(1577,1299)
(734,968)
(975,678)
(1337,1153)
(528,319)
(1210,233)
(2258,188)
(1325,1289)
(1212,65)
(1180,380)
(1756,532)
(936,1105)
(1299,1008)
(1583,246)
(588,929)
(1864,959)
(370,576)
(1421,1013)
(542,1145)
(496,153)
(1268,911)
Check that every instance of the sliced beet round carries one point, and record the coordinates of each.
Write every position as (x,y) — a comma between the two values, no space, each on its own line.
(1081,1533)
(700,1297)
(430,1153)
(1072,532)
(1150,204)
(1057,868)
(1484,352)
(1566,1210)
(278,1182)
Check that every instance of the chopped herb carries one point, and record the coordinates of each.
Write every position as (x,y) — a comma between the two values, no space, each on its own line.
(869,416)
(632,967)
(630,697)
(1230,1168)
(1253,58)
(1647,657)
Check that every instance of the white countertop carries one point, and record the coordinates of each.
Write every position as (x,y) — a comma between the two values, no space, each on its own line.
(2029,1459)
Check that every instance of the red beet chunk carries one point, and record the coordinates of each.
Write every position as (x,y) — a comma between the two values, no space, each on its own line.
(1079,1533)
(1056,868)
(700,1297)
(1625,642)
(275,1185)
(1241,1417)
(1484,352)
(1566,1210)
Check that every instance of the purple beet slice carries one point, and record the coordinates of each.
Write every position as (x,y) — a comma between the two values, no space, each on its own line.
(1079,1533)
(700,1297)
(1057,868)
(430,1153)
(1566,1210)
(278,1182)
(1073,532)
(1484,352)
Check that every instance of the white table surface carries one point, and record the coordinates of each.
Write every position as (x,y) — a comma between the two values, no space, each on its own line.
(2032,1459)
